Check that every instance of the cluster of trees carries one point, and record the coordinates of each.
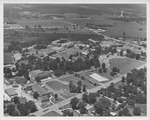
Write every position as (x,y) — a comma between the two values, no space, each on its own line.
(77,88)
(97,26)
(114,71)
(133,55)
(20,109)
(77,105)
(131,19)
(133,88)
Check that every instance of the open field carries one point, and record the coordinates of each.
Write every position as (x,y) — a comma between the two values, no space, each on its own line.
(43,23)
(52,113)
(124,64)
(130,28)
(76,79)
(61,88)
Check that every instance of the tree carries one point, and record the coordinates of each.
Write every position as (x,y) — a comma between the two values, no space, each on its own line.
(79,83)
(125,111)
(35,95)
(114,69)
(67,113)
(92,98)
(26,27)
(10,109)
(123,79)
(83,110)
(131,102)
(23,109)
(74,103)
(100,70)
(16,100)
(137,111)
(79,89)
(15,113)
(84,88)
(31,106)
(56,96)
(98,108)
(103,65)
(85,97)
(120,113)
(70,84)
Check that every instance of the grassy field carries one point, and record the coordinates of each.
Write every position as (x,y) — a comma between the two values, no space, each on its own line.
(43,23)
(124,64)
(130,28)
(52,113)
(61,88)
(76,79)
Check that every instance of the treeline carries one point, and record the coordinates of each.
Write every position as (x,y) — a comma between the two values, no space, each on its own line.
(138,20)
(45,38)
(97,26)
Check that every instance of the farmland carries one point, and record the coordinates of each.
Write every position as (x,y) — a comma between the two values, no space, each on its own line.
(43,23)
(130,28)
(124,64)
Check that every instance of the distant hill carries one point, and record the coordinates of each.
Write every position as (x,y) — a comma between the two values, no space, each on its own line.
(86,9)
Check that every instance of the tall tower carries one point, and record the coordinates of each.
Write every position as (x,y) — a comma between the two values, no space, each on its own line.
(121,16)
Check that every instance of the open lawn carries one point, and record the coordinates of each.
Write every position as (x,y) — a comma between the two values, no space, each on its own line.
(124,64)
(130,28)
(61,88)
(76,79)
(52,113)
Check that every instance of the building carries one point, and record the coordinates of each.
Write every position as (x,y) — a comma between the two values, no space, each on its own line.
(40,90)
(8,59)
(17,56)
(28,87)
(11,92)
(39,74)
(43,99)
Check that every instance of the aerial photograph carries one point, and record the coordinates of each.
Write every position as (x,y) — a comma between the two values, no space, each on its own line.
(80,60)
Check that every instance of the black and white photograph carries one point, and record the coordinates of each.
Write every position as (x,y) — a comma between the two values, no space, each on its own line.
(74,60)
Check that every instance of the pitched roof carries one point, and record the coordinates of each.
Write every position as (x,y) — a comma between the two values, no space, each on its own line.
(39,90)
(10,92)
(8,58)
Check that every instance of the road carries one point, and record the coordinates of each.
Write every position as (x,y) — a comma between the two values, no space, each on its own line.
(67,101)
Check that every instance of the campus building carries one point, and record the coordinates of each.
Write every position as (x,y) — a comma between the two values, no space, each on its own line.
(11,92)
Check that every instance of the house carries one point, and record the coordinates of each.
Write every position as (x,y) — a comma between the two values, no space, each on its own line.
(43,99)
(11,92)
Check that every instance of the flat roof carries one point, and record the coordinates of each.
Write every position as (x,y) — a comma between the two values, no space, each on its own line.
(8,58)
(10,92)
(98,77)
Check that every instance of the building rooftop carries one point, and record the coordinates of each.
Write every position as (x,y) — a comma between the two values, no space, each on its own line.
(39,90)
(10,92)
(8,58)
